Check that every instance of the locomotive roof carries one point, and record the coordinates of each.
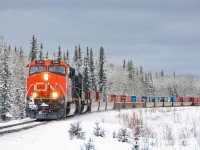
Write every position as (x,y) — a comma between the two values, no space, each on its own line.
(47,62)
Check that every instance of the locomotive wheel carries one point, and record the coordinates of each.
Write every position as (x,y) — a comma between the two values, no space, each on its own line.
(68,109)
(81,107)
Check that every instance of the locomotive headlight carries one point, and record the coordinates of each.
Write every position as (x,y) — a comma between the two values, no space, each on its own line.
(55,94)
(46,77)
(34,95)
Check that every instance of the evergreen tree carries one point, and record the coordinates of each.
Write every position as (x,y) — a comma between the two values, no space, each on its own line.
(86,81)
(174,74)
(59,54)
(124,64)
(92,72)
(101,72)
(22,85)
(64,57)
(150,85)
(54,56)
(67,56)
(14,50)
(98,131)
(76,130)
(162,73)
(89,145)
(79,61)
(123,135)
(142,74)
(41,57)
(6,82)
(47,56)
(130,69)
(33,49)
(75,58)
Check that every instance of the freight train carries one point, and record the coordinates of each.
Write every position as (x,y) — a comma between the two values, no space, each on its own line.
(55,90)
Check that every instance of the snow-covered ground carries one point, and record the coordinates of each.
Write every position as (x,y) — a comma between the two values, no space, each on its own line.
(159,128)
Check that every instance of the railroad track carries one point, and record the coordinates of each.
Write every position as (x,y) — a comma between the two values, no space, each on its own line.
(20,126)
(6,129)
(34,123)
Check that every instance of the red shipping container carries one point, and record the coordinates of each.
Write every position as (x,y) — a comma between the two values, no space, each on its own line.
(122,98)
(128,99)
(195,99)
(112,98)
(118,98)
(91,95)
(97,96)
(180,99)
(140,99)
(191,99)
(185,99)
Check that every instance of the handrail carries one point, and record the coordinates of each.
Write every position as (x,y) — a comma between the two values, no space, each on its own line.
(28,91)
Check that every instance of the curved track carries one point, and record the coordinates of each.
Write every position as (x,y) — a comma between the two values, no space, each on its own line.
(20,126)
(96,107)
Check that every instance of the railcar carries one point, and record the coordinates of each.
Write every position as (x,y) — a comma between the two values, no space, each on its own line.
(54,90)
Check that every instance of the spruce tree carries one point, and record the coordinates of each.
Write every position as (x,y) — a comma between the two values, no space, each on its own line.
(41,57)
(79,61)
(33,49)
(89,145)
(75,57)
(54,56)
(130,69)
(86,81)
(59,54)
(67,56)
(47,56)
(64,57)
(22,85)
(101,71)
(92,72)
(6,82)
(162,73)
(124,63)
(123,135)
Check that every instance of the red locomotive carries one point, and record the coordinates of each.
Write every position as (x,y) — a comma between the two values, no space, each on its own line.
(53,90)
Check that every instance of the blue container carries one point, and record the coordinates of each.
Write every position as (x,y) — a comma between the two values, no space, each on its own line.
(144,99)
(155,99)
(152,99)
(172,99)
(161,99)
(134,99)
(104,97)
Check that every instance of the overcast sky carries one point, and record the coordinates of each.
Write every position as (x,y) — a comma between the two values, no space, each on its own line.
(155,34)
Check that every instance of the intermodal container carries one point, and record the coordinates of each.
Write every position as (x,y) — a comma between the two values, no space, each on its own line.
(112,98)
(172,99)
(134,99)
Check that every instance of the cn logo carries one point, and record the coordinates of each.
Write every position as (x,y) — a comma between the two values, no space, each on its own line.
(40,86)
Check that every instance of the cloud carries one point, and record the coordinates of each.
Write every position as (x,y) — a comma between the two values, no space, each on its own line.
(155,34)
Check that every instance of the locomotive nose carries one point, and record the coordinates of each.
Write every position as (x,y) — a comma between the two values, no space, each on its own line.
(46,76)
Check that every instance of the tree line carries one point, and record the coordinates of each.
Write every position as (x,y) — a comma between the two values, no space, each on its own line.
(98,75)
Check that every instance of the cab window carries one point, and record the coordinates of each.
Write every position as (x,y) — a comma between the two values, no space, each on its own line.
(60,70)
(37,69)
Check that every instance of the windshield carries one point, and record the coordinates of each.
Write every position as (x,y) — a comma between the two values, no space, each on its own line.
(37,69)
(57,69)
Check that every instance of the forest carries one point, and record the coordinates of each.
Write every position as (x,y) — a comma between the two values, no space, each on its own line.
(98,75)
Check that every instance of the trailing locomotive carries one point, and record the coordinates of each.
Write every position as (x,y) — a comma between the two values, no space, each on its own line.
(54,90)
